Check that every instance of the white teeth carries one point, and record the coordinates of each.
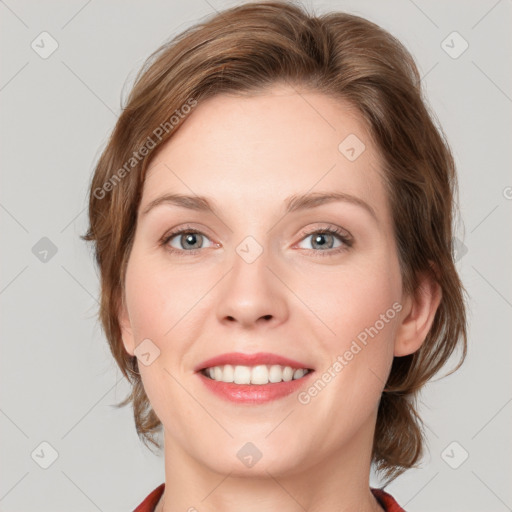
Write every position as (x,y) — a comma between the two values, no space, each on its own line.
(217,373)
(227,373)
(242,375)
(260,374)
(275,374)
(287,373)
(297,374)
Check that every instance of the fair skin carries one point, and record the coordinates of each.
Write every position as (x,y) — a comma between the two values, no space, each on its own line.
(297,299)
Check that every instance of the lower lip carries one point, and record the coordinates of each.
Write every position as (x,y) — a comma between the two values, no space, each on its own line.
(255,394)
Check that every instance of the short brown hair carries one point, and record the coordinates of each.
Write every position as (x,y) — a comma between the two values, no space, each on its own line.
(243,50)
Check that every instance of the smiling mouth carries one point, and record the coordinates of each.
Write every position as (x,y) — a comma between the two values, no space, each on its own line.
(254,375)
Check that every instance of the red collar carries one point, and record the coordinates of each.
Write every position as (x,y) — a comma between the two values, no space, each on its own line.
(386,501)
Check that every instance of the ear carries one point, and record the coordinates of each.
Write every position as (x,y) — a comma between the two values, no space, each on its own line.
(126,329)
(417,317)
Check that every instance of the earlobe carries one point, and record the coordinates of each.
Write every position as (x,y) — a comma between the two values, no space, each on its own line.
(418,316)
(126,329)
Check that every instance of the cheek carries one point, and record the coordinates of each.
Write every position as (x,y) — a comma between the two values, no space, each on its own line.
(355,298)
(161,302)
(361,305)
(159,297)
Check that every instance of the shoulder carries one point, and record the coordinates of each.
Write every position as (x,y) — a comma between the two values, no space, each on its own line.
(386,501)
(149,503)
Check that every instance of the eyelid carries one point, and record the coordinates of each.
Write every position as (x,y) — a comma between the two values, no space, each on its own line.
(184,228)
(326,227)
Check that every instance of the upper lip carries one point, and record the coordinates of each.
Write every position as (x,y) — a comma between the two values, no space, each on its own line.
(239,358)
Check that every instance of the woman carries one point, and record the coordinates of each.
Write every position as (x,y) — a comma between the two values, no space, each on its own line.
(272,219)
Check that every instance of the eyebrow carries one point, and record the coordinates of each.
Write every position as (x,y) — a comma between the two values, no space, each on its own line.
(294,203)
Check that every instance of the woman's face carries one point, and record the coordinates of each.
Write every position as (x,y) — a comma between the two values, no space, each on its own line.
(259,272)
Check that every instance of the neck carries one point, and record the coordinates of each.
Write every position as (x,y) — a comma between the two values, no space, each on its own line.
(339,483)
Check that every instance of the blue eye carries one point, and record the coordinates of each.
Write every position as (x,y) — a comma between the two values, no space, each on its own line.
(324,239)
(189,241)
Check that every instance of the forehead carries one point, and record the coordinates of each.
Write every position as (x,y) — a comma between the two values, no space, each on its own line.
(255,150)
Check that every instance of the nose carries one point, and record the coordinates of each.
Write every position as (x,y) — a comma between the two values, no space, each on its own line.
(252,295)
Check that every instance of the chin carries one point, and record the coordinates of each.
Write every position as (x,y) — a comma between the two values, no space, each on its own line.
(252,456)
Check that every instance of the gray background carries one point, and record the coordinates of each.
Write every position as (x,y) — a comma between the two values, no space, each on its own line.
(59,381)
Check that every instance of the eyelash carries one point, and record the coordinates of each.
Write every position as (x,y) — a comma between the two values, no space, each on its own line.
(331,230)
